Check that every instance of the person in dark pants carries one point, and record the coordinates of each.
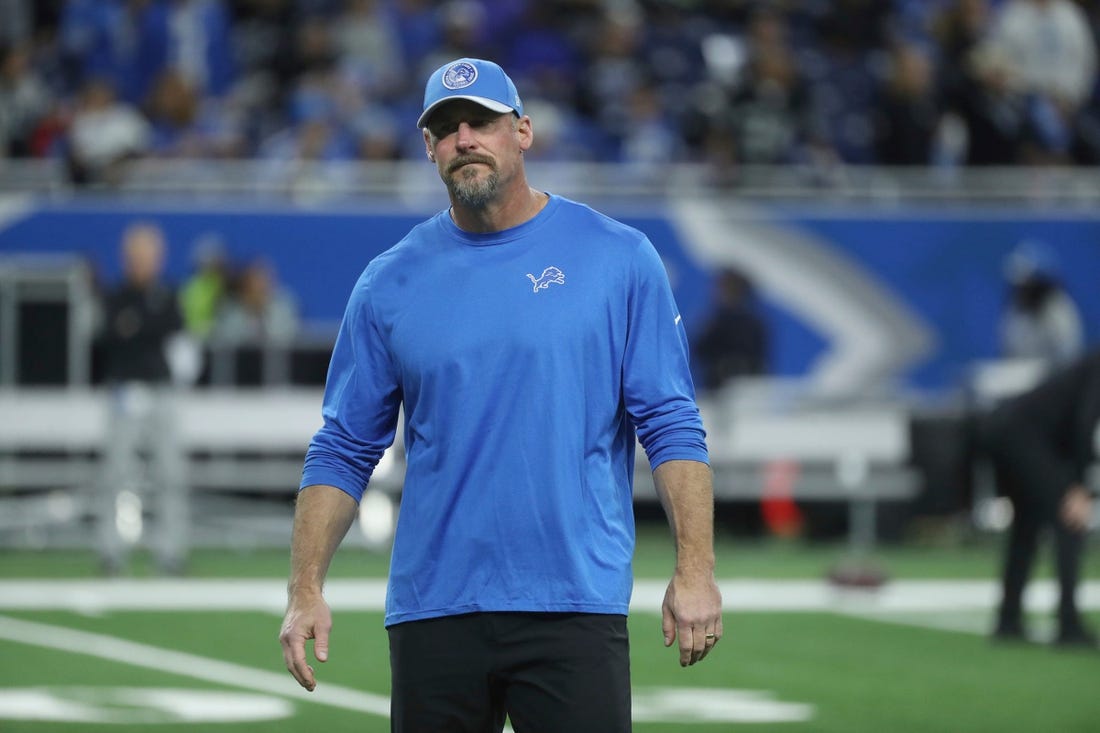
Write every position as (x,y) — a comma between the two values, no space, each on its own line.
(734,341)
(1042,443)
(530,342)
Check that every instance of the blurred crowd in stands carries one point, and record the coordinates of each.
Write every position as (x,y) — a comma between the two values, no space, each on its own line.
(641,82)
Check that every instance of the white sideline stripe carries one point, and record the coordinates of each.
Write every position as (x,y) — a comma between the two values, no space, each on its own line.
(93,596)
(114,649)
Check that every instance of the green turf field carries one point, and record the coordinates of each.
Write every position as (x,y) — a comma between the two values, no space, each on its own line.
(853,666)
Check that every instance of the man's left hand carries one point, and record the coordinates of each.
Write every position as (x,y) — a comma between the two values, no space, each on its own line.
(1076,509)
(692,611)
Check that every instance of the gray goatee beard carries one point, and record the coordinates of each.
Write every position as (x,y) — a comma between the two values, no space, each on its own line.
(474,192)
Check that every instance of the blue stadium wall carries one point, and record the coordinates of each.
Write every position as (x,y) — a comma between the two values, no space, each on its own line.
(943,265)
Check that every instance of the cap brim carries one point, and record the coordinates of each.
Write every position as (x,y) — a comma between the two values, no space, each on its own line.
(483,101)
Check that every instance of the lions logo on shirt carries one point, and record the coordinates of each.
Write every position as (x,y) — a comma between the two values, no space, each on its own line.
(460,75)
(549,275)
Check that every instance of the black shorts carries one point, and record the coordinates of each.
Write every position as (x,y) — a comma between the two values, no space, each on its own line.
(547,672)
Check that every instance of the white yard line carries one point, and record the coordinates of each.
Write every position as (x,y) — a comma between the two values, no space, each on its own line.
(93,596)
(216,671)
(957,606)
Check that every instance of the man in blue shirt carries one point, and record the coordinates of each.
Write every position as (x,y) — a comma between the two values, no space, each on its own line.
(531,341)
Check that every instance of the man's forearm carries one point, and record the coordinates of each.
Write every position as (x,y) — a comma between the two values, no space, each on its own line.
(686,491)
(322,517)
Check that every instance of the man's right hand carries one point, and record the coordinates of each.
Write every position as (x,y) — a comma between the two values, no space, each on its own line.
(306,618)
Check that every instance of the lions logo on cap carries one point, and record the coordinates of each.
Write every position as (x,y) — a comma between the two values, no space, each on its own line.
(462,74)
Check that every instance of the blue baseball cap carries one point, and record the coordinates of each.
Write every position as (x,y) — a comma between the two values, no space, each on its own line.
(474,79)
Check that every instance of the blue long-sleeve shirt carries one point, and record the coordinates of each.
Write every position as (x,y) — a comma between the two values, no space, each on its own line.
(526,359)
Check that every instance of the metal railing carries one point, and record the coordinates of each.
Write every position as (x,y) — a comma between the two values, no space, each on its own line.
(415,182)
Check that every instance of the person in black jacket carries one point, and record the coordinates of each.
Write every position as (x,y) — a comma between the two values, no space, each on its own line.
(141,316)
(734,340)
(1042,444)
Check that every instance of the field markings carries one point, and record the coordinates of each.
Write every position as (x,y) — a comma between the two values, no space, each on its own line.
(138,705)
(95,596)
(194,666)
(685,705)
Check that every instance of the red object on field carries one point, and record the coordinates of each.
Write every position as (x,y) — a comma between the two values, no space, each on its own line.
(781,514)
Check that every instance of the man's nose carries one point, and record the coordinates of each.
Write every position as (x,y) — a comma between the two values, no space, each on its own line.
(464,136)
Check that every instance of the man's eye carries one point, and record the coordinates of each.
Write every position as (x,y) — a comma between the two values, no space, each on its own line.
(445,130)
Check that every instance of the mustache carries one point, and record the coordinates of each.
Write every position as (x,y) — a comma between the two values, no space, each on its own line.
(467,159)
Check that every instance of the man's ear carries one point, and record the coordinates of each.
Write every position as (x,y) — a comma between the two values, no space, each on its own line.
(428,146)
(526,133)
